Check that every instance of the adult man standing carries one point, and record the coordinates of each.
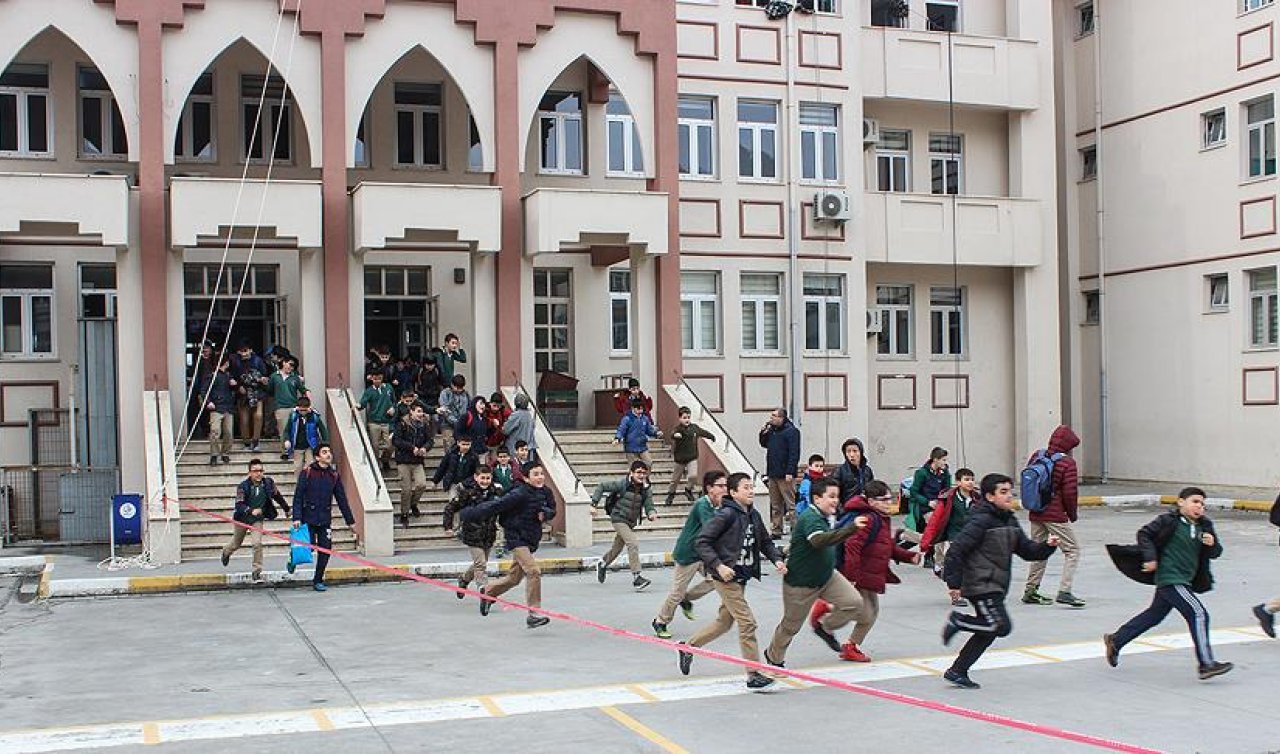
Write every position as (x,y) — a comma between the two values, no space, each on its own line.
(781,441)
(625,501)
(412,441)
(715,486)
(1055,519)
(319,487)
(256,498)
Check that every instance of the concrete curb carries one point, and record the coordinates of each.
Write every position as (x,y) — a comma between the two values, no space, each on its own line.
(1215,503)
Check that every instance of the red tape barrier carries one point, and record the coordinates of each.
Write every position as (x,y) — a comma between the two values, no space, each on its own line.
(891,696)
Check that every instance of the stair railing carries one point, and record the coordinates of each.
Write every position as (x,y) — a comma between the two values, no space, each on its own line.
(557,449)
(706,415)
(366,447)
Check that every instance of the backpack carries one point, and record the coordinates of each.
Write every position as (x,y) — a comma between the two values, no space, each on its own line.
(1036,480)
(1275,512)
(844,521)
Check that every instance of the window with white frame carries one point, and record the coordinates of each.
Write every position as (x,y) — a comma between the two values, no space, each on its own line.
(1088,163)
(26,128)
(195,139)
(699,312)
(946,163)
(26,311)
(1092,307)
(946,321)
(1247,6)
(267,110)
(893,160)
(1262,308)
(1084,19)
(757,139)
(98,291)
(943,15)
(625,155)
(894,302)
(560,133)
(419,129)
(823,312)
(819,142)
(1260,135)
(889,13)
(101,124)
(697,134)
(761,296)
(1217,294)
(620,310)
(1213,128)
(553,320)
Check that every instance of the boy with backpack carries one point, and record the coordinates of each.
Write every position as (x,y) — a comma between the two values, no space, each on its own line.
(948,519)
(1052,503)
(626,501)
(480,535)
(817,470)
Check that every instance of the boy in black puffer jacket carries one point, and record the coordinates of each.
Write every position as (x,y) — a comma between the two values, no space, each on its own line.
(979,565)
(478,536)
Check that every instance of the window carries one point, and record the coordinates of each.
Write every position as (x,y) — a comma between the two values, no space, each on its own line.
(1213,128)
(384,282)
(203,280)
(418,125)
(360,154)
(267,133)
(194,142)
(1262,308)
(26,128)
(889,13)
(1088,163)
(946,321)
(1251,5)
(757,139)
(943,15)
(475,150)
(26,311)
(697,129)
(98,291)
(895,334)
(761,297)
(893,160)
(560,131)
(625,156)
(823,312)
(552,324)
(1261,136)
(1092,307)
(699,312)
(1084,19)
(620,311)
(101,124)
(819,142)
(946,163)
(814,6)
(1217,293)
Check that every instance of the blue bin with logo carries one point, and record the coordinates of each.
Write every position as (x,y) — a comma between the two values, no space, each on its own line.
(126,519)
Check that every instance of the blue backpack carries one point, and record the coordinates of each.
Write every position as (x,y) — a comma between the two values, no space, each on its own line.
(1037,480)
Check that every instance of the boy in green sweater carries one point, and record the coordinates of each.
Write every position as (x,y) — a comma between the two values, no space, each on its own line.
(715,485)
(684,451)
(286,387)
(379,406)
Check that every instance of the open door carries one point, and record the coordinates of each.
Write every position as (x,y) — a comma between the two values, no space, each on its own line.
(280,322)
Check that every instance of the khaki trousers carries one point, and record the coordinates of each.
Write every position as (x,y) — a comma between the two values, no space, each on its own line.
(1067,545)
(523,565)
(379,438)
(625,537)
(219,434)
(684,472)
(633,457)
(680,589)
(413,482)
(733,609)
(302,457)
(867,619)
(250,421)
(255,539)
(782,503)
(1273,605)
(846,606)
(478,572)
(282,421)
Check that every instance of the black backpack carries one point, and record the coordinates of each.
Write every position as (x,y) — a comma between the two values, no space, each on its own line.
(1275,512)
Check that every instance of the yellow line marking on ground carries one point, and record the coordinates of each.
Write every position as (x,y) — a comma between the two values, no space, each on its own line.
(918,666)
(642,692)
(150,734)
(492,706)
(793,683)
(322,720)
(644,731)
(1146,643)
(1038,656)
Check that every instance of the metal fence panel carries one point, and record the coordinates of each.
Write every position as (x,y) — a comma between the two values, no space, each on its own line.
(84,504)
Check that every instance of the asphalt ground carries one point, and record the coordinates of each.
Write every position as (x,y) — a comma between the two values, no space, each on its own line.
(406,667)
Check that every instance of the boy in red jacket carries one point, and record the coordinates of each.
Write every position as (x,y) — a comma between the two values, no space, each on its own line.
(866,563)
(1055,519)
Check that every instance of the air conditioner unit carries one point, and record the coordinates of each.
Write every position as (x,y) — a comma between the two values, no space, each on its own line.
(870,131)
(875,320)
(832,206)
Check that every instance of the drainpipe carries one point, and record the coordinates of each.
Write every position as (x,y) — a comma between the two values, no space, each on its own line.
(1104,397)
(793,245)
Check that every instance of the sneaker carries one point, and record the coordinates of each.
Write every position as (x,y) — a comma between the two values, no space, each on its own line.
(759,681)
(1113,652)
(773,662)
(640,583)
(226,459)
(485,604)
(671,498)
(256,577)
(248,446)
(686,607)
(254,446)
(929,561)
(685,660)
(213,460)
(949,631)
(851,653)
(688,493)
(1069,599)
(536,621)
(226,558)
(959,602)
(320,586)
(826,636)
(961,680)
(1034,597)
(660,630)
(413,511)
(284,456)
(290,566)
(602,571)
(1215,669)
(462,584)
(404,520)
(1266,620)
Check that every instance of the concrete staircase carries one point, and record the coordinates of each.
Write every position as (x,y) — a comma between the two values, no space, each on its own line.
(426,531)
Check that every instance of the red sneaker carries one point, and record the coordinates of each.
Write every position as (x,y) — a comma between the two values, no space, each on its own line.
(851,653)
(819,611)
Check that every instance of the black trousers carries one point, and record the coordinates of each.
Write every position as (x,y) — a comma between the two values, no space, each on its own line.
(321,537)
(990,622)
(1172,597)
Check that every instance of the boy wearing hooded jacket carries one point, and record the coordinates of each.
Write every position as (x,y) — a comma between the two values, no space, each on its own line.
(626,501)
(1056,519)
(854,473)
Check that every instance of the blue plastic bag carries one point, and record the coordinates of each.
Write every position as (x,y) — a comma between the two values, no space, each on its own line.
(300,547)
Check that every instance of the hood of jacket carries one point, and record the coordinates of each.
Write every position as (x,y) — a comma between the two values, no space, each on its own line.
(862,455)
(1063,440)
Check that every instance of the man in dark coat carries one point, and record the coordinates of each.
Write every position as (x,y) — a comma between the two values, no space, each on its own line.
(781,441)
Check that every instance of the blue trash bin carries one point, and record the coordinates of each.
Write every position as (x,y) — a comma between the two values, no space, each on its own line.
(126,519)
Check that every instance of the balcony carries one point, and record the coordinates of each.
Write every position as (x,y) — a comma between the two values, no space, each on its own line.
(468,216)
(914,65)
(98,205)
(205,208)
(990,231)
(560,219)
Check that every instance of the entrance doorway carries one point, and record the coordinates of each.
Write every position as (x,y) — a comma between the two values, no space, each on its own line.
(399,310)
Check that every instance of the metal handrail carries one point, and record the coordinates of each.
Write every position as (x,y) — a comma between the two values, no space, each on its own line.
(365,446)
(728,439)
(555,443)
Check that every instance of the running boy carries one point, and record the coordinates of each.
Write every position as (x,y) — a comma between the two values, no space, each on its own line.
(948,520)
(480,535)
(684,451)
(688,565)
(634,432)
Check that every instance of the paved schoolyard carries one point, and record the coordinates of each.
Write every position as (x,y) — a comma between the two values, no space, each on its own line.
(404,667)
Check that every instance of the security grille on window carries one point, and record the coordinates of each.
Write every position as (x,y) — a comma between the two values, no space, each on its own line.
(1084,19)
(418,125)
(946,163)
(620,311)
(894,338)
(1088,163)
(893,160)
(946,321)
(699,312)
(26,130)
(761,297)
(26,311)
(757,139)
(1260,115)
(823,312)
(625,156)
(697,127)
(560,133)
(98,291)
(268,134)
(943,15)
(1262,308)
(552,320)
(195,139)
(819,142)
(1213,128)
(1218,293)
